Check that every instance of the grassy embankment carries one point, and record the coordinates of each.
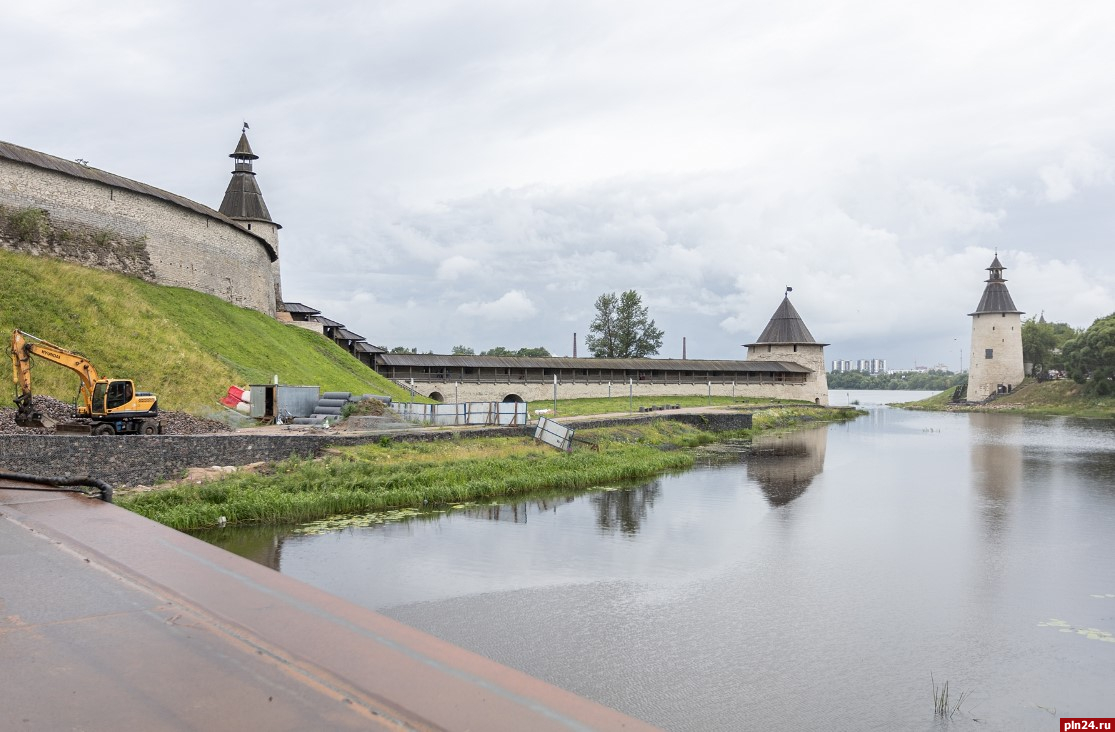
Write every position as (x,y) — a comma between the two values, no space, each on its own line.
(1054,398)
(395,475)
(186,347)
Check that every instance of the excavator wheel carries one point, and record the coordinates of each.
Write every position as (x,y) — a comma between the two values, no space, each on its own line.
(150,428)
(104,429)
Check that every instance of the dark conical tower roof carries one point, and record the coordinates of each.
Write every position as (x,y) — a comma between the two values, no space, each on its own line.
(785,327)
(243,199)
(996,298)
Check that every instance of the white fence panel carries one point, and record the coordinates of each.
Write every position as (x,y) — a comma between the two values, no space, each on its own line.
(464,413)
(554,434)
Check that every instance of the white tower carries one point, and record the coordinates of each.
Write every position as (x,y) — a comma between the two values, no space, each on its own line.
(996,355)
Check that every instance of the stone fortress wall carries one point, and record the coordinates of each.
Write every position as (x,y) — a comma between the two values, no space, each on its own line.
(464,391)
(106,221)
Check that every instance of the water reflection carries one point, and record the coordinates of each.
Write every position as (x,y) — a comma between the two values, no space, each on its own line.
(625,510)
(785,465)
(261,544)
(996,460)
(516,513)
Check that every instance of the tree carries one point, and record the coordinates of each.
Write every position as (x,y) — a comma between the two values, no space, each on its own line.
(538,352)
(622,328)
(463,351)
(1090,357)
(1038,342)
(403,349)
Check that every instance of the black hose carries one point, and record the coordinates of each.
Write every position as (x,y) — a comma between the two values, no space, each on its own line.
(62,484)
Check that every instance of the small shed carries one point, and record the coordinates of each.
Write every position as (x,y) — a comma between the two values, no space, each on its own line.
(271,401)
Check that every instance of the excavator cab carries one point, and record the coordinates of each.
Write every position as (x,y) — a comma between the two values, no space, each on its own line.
(111,394)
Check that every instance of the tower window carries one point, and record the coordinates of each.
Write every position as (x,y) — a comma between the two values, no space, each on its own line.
(989,353)
(992,327)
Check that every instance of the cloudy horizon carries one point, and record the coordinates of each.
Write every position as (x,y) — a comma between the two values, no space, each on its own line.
(478,173)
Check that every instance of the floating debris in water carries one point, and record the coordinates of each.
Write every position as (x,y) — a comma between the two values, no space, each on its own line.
(1089,633)
(366,520)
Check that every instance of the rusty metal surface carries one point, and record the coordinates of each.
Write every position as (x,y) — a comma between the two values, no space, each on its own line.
(109,621)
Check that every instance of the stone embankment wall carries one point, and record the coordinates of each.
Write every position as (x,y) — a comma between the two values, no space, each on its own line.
(541,393)
(108,222)
(145,460)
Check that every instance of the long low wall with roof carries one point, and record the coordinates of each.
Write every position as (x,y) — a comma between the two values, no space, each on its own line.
(535,392)
(97,224)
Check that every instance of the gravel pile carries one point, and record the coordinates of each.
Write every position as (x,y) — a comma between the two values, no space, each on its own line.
(174,423)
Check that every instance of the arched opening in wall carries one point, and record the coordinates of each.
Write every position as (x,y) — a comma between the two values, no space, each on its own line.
(512,399)
(436,396)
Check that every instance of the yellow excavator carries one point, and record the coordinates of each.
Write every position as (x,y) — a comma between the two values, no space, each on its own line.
(112,406)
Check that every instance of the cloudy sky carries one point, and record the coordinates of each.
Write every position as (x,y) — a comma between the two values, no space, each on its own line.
(478,172)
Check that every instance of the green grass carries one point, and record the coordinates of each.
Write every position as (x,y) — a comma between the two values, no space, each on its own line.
(621,404)
(184,346)
(400,475)
(393,475)
(1055,398)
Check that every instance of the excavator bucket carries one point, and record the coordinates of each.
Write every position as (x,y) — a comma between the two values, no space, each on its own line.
(26,416)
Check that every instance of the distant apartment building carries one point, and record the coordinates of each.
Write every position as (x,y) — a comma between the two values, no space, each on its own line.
(867,365)
(872,365)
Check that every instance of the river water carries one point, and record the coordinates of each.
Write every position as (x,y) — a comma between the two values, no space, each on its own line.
(816,580)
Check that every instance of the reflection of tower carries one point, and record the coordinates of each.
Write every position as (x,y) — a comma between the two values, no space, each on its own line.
(243,202)
(785,465)
(996,463)
(625,510)
(787,339)
(996,355)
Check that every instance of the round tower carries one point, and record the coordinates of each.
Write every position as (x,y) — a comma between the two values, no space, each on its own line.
(996,356)
(243,202)
(787,339)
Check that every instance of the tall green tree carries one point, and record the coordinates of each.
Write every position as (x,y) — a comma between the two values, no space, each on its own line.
(1042,342)
(622,328)
(1090,357)
(463,351)
(1038,342)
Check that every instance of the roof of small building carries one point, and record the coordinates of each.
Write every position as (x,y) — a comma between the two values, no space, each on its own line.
(347,335)
(785,327)
(605,364)
(327,322)
(38,159)
(297,307)
(365,347)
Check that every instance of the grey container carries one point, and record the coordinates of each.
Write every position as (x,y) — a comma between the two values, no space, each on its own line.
(270,401)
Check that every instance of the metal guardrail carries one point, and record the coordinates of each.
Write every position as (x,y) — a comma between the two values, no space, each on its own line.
(464,413)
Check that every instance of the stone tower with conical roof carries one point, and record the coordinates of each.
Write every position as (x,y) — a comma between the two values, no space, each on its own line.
(996,356)
(243,202)
(787,339)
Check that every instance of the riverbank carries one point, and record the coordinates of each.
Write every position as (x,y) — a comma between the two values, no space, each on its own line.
(399,475)
(1062,397)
